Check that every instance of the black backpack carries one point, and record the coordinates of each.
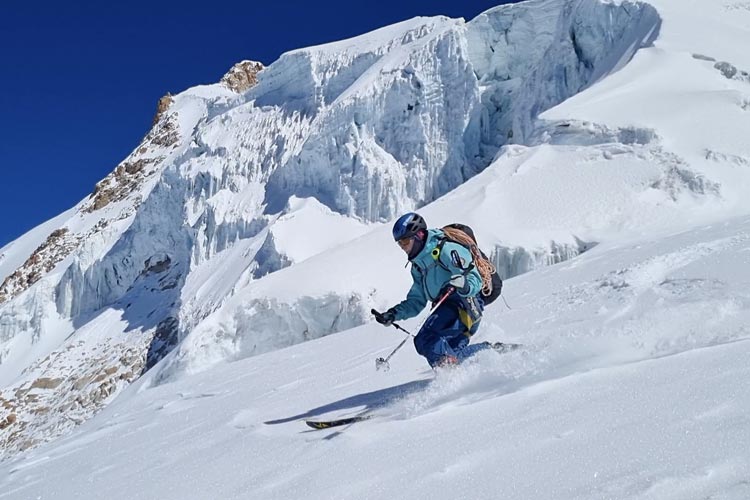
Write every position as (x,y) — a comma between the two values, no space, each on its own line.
(497,283)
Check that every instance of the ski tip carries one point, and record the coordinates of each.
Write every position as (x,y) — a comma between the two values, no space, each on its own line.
(318,425)
(327,424)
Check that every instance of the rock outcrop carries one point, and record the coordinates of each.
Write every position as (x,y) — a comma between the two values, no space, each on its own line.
(57,246)
(161,107)
(243,76)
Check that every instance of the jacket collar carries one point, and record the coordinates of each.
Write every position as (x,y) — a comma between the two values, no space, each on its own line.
(425,255)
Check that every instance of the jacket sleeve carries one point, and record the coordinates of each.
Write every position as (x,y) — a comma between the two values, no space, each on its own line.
(473,278)
(415,299)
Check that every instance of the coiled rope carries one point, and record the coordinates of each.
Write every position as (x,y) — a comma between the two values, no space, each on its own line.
(484,266)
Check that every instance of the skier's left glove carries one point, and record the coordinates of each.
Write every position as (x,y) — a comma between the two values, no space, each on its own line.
(387,318)
(458,281)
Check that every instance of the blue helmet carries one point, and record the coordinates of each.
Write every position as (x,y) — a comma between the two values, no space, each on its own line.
(408,225)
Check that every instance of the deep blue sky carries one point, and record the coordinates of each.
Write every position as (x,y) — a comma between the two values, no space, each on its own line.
(79,80)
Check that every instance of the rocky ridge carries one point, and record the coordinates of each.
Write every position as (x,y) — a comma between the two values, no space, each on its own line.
(242,76)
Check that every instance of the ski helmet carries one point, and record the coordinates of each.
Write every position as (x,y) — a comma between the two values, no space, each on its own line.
(408,225)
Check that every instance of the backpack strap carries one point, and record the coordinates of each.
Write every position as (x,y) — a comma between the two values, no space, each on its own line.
(439,249)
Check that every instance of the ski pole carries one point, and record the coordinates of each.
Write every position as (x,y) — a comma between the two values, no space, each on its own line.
(383,362)
(395,325)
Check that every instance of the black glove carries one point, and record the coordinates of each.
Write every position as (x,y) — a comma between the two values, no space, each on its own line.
(387,318)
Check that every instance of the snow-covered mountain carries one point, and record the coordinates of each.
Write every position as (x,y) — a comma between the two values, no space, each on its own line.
(256,215)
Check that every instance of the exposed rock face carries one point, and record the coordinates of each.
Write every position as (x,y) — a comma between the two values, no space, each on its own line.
(65,402)
(58,245)
(129,175)
(9,420)
(242,76)
(124,180)
(161,107)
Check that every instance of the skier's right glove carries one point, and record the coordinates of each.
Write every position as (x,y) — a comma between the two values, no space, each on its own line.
(387,318)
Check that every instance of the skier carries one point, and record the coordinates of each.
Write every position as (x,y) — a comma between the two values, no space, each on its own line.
(439,266)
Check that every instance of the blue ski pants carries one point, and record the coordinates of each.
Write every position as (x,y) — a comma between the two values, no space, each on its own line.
(445,334)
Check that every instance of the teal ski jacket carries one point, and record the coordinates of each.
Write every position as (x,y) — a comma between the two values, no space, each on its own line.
(432,269)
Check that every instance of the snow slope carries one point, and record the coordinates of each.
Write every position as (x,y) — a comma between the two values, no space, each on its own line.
(633,386)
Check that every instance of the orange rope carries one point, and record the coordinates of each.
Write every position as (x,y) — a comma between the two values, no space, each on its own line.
(484,266)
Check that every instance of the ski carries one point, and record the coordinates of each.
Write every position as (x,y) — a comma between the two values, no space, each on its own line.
(327,424)
(499,347)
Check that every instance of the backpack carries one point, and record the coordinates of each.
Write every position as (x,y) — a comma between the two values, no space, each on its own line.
(496,282)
